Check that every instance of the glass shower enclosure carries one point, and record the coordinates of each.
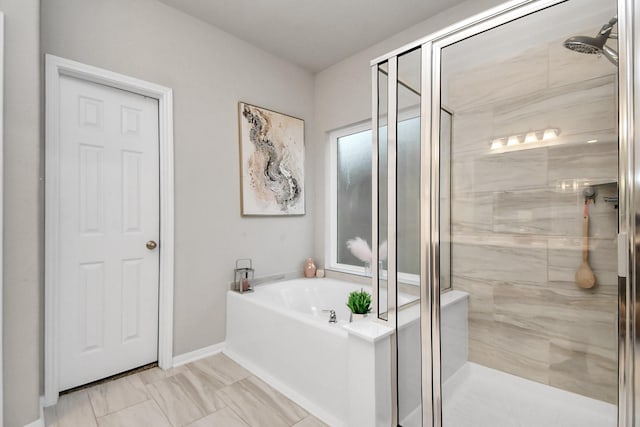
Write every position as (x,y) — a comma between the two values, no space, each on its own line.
(504,221)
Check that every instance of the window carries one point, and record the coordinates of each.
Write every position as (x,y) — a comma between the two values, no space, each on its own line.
(353,193)
(350,197)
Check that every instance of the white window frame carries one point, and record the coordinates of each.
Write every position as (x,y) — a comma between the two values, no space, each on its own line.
(331,243)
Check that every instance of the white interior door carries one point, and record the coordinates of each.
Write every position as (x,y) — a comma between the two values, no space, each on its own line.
(109,210)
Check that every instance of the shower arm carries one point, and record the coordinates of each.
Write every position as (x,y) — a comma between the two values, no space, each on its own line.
(610,54)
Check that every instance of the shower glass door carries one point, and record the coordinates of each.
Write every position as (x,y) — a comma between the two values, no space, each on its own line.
(529,327)
(408,236)
(397,162)
(499,220)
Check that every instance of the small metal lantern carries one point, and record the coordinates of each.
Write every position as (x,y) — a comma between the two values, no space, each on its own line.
(243,275)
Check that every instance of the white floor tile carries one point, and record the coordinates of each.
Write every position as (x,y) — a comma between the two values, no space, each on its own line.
(483,397)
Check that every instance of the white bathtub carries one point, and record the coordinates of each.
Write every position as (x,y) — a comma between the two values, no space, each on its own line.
(282,334)
(313,297)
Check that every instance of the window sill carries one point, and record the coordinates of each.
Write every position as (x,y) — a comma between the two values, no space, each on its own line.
(348,269)
(403,278)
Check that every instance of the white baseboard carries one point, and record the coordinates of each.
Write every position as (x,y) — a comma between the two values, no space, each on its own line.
(40,421)
(192,356)
(306,404)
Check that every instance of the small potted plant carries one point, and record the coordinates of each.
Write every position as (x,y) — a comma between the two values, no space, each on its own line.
(359,303)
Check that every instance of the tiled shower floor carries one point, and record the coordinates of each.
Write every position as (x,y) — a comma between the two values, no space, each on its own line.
(482,397)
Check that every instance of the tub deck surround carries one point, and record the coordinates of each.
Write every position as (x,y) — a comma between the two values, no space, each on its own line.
(368,331)
(454,347)
(340,371)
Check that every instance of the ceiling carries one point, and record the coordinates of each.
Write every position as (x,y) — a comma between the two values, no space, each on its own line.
(312,33)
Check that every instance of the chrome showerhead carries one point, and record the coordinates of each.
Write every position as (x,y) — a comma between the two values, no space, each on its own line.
(595,45)
(584,44)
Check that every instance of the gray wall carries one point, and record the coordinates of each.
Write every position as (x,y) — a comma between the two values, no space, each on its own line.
(209,71)
(22,300)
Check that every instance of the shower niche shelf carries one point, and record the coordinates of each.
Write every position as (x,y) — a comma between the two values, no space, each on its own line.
(590,192)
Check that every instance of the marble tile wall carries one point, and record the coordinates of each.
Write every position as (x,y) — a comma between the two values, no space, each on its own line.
(516,217)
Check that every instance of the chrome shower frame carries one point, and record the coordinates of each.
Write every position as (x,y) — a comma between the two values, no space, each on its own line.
(629,207)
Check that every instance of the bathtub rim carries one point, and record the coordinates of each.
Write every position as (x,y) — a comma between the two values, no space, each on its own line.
(370,329)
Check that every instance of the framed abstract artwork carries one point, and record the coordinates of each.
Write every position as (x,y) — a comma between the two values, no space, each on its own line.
(271,162)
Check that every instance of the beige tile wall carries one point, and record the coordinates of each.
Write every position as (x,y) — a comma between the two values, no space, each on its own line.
(517,217)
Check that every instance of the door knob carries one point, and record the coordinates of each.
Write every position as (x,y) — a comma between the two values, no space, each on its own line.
(151,245)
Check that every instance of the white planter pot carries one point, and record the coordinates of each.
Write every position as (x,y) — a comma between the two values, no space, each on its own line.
(355,317)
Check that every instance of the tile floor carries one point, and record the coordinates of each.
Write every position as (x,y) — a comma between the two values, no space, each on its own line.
(212,392)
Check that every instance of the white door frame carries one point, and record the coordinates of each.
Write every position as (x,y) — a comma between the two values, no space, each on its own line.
(1,207)
(55,68)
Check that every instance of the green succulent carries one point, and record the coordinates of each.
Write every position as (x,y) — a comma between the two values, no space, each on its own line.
(359,302)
